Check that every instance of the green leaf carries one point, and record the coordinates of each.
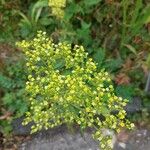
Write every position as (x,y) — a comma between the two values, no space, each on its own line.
(59,64)
(66,72)
(8,99)
(142,19)
(131,48)
(26,28)
(113,64)
(72,9)
(45,21)
(5,82)
(85,25)
(125,91)
(138,6)
(99,56)
(91,2)
(104,110)
(37,8)
(24,17)
(83,34)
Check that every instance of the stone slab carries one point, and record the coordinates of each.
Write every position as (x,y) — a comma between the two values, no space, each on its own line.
(61,139)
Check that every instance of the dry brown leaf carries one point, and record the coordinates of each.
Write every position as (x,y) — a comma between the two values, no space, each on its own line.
(145,69)
(6,116)
(122,78)
(109,1)
(137,40)
(127,65)
(123,136)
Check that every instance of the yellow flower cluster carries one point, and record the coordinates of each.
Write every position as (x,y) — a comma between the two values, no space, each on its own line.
(65,87)
(57,7)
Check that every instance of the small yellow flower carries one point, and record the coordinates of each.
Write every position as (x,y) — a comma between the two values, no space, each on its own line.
(88,109)
(132,125)
(122,124)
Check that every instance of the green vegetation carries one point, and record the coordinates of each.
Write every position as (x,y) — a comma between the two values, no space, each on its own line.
(115,34)
(12,84)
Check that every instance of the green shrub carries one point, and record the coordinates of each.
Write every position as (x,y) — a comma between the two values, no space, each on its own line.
(13,99)
(66,88)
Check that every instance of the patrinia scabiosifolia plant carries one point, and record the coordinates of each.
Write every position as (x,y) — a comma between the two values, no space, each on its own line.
(57,7)
(66,88)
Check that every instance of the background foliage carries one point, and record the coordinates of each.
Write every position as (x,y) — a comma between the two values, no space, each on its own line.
(115,33)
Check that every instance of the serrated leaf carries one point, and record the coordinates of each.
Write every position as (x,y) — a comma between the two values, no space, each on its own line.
(83,34)
(99,56)
(72,9)
(8,99)
(125,91)
(5,82)
(113,64)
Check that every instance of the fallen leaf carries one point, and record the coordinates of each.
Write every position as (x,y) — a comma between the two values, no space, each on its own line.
(6,116)
(137,40)
(123,136)
(122,78)
(145,69)
(127,65)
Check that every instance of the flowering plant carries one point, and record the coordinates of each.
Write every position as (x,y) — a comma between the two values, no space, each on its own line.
(66,88)
(57,7)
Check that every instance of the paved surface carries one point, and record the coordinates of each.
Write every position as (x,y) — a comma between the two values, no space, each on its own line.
(136,140)
(62,139)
